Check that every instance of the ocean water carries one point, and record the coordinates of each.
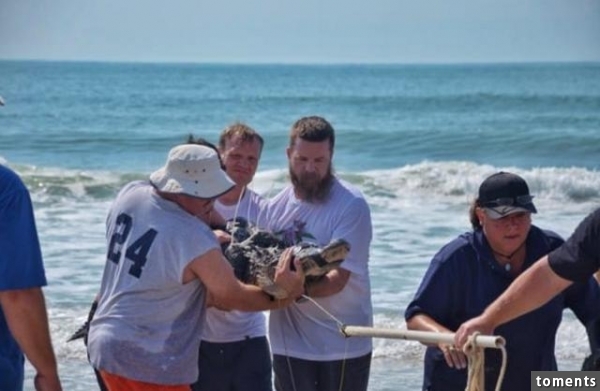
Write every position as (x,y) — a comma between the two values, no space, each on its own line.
(417,139)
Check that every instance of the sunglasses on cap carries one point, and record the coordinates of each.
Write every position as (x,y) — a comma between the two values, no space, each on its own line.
(509,201)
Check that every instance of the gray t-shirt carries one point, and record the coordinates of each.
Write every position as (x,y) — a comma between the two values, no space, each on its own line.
(147,326)
(302,329)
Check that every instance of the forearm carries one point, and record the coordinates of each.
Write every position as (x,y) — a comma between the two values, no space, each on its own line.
(422,322)
(227,292)
(327,285)
(251,298)
(25,312)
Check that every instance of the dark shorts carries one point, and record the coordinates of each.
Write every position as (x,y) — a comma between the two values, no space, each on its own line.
(294,374)
(235,366)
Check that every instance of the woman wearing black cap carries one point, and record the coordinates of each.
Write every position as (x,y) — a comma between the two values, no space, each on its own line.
(471,271)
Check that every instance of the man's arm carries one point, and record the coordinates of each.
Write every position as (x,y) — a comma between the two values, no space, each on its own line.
(329,284)
(229,293)
(530,290)
(25,312)
(355,227)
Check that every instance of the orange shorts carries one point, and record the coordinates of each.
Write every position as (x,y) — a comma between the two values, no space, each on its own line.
(119,383)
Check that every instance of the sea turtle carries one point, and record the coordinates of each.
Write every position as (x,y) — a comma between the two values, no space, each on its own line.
(254,254)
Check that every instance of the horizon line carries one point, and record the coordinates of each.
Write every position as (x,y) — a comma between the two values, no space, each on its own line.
(302,63)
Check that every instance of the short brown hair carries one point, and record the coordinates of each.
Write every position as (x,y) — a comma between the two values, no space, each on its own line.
(241,130)
(313,129)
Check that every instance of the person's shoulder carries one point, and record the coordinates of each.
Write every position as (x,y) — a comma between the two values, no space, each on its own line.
(9,178)
(595,214)
(541,241)
(588,228)
(251,193)
(260,202)
(134,185)
(586,233)
(283,195)
(10,181)
(546,233)
(592,220)
(7,174)
(347,198)
(132,191)
(455,256)
(254,197)
(347,188)
(458,245)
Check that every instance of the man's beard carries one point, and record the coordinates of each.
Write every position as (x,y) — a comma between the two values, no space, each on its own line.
(310,188)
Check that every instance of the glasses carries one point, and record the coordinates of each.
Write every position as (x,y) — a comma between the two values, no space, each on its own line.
(509,201)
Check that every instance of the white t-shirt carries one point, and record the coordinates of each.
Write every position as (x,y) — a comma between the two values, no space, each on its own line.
(148,322)
(302,330)
(230,326)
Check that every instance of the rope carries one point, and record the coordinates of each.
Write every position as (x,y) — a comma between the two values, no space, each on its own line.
(336,320)
(473,349)
(476,360)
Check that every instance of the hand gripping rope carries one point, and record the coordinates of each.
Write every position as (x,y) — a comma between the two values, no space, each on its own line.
(473,349)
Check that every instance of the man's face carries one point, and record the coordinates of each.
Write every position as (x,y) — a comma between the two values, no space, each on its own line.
(310,169)
(201,208)
(241,159)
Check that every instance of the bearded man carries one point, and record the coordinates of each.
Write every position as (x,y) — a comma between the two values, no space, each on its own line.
(309,351)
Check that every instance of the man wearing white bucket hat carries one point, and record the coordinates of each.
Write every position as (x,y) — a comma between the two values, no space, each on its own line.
(162,261)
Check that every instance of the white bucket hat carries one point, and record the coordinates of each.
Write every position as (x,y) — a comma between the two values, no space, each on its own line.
(194,170)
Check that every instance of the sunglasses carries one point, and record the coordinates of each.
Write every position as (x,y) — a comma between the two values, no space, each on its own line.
(508,201)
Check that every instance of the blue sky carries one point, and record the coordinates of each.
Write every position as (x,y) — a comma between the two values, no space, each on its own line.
(306,31)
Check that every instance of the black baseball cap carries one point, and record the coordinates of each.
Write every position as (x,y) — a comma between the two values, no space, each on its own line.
(504,193)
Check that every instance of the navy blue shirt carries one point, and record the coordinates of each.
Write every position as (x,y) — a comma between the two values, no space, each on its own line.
(579,257)
(463,279)
(21,266)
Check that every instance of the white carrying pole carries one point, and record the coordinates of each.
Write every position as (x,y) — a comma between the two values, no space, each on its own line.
(484,341)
